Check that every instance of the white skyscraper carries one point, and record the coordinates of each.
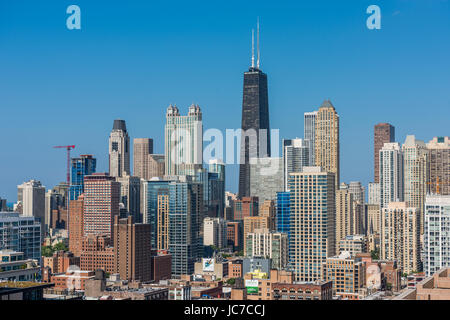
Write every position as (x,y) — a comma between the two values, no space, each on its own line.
(119,150)
(183,141)
(436,233)
(415,172)
(391,174)
(358,191)
(310,135)
(295,157)
(32,196)
(374,193)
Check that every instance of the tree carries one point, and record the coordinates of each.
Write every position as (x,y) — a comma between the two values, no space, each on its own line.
(60,246)
(231,281)
(47,251)
(375,254)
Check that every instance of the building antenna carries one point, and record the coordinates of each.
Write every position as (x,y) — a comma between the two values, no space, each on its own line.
(253,48)
(257,43)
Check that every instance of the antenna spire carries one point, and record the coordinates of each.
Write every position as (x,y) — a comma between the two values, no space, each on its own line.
(257,40)
(253,48)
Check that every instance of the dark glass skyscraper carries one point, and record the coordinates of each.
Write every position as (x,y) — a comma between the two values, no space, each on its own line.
(255,123)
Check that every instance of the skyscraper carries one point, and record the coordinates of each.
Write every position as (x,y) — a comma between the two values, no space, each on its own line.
(327,139)
(391,174)
(415,160)
(83,166)
(156,166)
(130,196)
(344,214)
(183,141)
(374,193)
(383,133)
(309,135)
(32,194)
(20,233)
(436,230)
(132,250)
(295,157)
(400,236)
(76,225)
(142,148)
(439,165)
(101,204)
(358,191)
(255,138)
(119,150)
(186,215)
(266,178)
(312,221)
(155,189)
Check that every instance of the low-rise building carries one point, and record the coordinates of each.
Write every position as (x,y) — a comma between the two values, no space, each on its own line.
(435,287)
(347,274)
(14,267)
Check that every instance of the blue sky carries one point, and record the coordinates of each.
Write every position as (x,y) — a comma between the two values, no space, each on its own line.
(131,59)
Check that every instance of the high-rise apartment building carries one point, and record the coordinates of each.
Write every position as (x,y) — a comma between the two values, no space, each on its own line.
(156,166)
(255,139)
(253,223)
(383,133)
(186,213)
(32,195)
(309,129)
(20,233)
(415,169)
(83,166)
(101,204)
(247,207)
(400,236)
(295,157)
(216,189)
(283,215)
(54,201)
(142,149)
(358,191)
(155,188)
(439,165)
(132,250)
(327,139)
(374,193)
(391,174)
(263,243)
(183,141)
(130,196)
(215,232)
(436,233)
(266,178)
(119,150)
(373,218)
(353,244)
(344,214)
(76,225)
(162,222)
(312,195)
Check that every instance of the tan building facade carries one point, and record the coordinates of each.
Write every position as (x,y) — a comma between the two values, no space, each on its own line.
(327,139)
(400,236)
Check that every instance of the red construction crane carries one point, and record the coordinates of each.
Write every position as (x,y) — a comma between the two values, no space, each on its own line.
(68,148)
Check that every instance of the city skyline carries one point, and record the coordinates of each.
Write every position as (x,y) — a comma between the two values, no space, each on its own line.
(365,95)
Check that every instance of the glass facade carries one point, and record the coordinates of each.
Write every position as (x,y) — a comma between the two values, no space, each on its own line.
(154,189)
(21,234)
(80,167)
